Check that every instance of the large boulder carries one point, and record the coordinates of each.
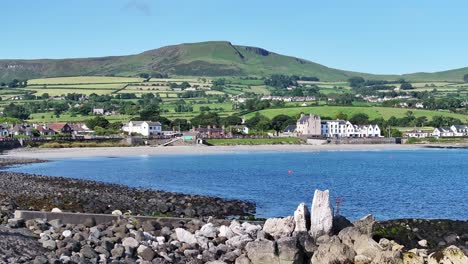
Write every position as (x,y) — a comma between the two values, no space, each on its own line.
(262,252)
(185,236)
(279,227)
(333,252)
(302,218)
(288,251)
(208,230)
(239,241)
(365,245)
(321,221)
(365,224)
(225,231)
(450,255)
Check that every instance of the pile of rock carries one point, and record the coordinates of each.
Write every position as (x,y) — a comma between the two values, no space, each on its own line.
(316,237)
(36,192)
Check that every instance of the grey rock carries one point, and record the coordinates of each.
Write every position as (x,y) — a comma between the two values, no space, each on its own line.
(262,252)
(243,259)
(279,227)
(191,253)
(321,221)
(451,239)
(16,222)
(365,224)
(185,236)
(40,260)
(333,252)
(239,241)
(118,252)
(49,244)
(302,218)
(225,231)
(89,222)
(449,255)
(208,230)
(57,223)
(88,252)
(288,251)
(365,245)
(147,254)
(130,242)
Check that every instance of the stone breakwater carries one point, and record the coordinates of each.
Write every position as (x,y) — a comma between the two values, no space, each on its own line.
(35,192)
(314,236)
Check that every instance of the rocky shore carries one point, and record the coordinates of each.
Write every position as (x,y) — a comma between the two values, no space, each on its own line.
(36,192)
(310,235)
(314,236)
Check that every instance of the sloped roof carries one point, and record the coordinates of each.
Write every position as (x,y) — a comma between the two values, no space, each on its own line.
(290,128)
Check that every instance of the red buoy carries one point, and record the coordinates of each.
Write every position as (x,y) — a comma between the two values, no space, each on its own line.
(290,172)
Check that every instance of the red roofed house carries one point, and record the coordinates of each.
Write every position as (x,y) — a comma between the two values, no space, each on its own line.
(44,130)
(60,128)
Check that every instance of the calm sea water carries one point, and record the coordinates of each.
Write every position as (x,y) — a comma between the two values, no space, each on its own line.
(388,184)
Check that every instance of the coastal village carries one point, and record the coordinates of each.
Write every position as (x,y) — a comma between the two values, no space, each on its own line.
(307,127)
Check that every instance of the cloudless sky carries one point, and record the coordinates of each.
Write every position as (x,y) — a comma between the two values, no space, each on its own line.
(394,36)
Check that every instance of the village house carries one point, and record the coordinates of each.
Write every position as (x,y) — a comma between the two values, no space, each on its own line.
(419,105)
(366,131)
(21,130)
(98,111)
(336,128)
(459,130)
(240,129)
(210,132)
(417,134)
(289,131)
(309,125)
(145,128)
(60,128)
(44,130)
(442,132)
(80,129)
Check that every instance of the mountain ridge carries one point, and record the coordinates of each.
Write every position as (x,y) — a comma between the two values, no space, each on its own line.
(210,59)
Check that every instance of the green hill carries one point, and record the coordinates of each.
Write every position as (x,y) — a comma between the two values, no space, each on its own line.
(215,58)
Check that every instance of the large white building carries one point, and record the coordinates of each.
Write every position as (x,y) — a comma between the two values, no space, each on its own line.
(336,128)
(309,125)
(145,128)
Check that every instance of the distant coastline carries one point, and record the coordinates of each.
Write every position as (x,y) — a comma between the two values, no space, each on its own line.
(41,153)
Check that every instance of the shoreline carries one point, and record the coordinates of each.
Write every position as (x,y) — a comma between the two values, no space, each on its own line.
(59,153)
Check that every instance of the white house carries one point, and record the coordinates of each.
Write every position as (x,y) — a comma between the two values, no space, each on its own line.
(417,134)
(241,129)
(442,132)
(336,128)
(98,111)
(419,105)
(145,128)
(367,131)
(459,130)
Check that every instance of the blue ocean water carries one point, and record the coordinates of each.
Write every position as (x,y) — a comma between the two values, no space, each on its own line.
(388,184)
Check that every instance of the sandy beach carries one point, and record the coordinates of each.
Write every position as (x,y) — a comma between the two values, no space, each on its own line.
(43,153)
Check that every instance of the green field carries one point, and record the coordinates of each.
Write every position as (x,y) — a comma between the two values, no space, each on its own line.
(50,117)
(253,141)
(84,79)
(79,86)
(372,112)
(58,92)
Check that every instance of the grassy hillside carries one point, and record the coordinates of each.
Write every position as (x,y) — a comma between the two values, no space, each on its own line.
(372,112)
(215,58)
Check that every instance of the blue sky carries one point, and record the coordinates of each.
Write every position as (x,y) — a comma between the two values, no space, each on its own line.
(361,35)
